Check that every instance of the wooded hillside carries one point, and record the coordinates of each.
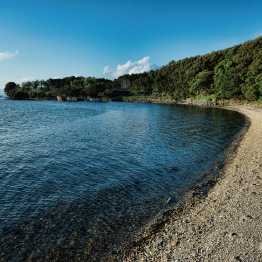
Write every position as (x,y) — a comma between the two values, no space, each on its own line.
(232,73)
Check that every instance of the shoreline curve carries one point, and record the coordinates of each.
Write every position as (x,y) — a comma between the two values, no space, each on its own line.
(225,225)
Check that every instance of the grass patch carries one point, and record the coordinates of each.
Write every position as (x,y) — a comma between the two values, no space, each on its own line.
(207,97)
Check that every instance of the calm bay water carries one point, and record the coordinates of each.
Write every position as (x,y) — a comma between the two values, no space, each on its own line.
(80,179)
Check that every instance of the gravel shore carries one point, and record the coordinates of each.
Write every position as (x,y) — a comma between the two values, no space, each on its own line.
(227,224)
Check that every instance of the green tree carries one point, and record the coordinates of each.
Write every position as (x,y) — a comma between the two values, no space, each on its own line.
(226,80)
(19,94)
(250,88)
(71,91)
(201,83)
(10,89)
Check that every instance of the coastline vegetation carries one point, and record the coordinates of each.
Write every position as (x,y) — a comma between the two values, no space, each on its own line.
(231,74)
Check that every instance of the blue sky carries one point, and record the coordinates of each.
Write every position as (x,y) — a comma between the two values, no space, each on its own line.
(48,39)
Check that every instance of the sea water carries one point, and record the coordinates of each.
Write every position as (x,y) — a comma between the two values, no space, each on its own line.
(79,179)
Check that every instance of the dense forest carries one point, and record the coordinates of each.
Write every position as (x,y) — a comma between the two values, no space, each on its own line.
(232,73)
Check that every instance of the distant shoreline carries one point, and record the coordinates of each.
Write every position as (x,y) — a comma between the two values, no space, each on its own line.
(188,101)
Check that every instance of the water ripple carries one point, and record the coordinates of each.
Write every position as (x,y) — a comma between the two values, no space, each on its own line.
(78,179)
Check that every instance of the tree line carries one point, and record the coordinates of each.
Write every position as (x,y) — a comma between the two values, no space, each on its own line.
(71,86)
(232,73)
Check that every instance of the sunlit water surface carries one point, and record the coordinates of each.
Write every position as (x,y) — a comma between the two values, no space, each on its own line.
(80,179)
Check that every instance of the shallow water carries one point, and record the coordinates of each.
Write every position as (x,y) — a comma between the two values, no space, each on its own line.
(79,179)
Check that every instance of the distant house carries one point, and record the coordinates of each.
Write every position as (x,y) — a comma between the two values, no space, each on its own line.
(62,97)
(120,92)
(71,99)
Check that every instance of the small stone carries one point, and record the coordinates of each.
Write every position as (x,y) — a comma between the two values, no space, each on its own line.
(159,243)
(237,258)
(220,166)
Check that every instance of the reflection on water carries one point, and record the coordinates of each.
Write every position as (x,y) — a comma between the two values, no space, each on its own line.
(79,179)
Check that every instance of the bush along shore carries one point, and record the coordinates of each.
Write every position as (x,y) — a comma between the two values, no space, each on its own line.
(189,101)
(231,74)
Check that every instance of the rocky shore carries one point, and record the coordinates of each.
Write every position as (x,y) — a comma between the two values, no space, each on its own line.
(188,101)
(226,224)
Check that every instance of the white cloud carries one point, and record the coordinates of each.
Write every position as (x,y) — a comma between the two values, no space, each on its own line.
(6,55)
(57,77)
(140,66)
(27,79)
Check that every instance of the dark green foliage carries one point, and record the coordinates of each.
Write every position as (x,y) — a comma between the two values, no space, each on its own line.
(201,84)
(19,94)
(10,89)
(226,82)
(250,88)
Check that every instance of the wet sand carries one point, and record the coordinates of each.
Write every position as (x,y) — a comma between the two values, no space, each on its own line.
(226,225)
